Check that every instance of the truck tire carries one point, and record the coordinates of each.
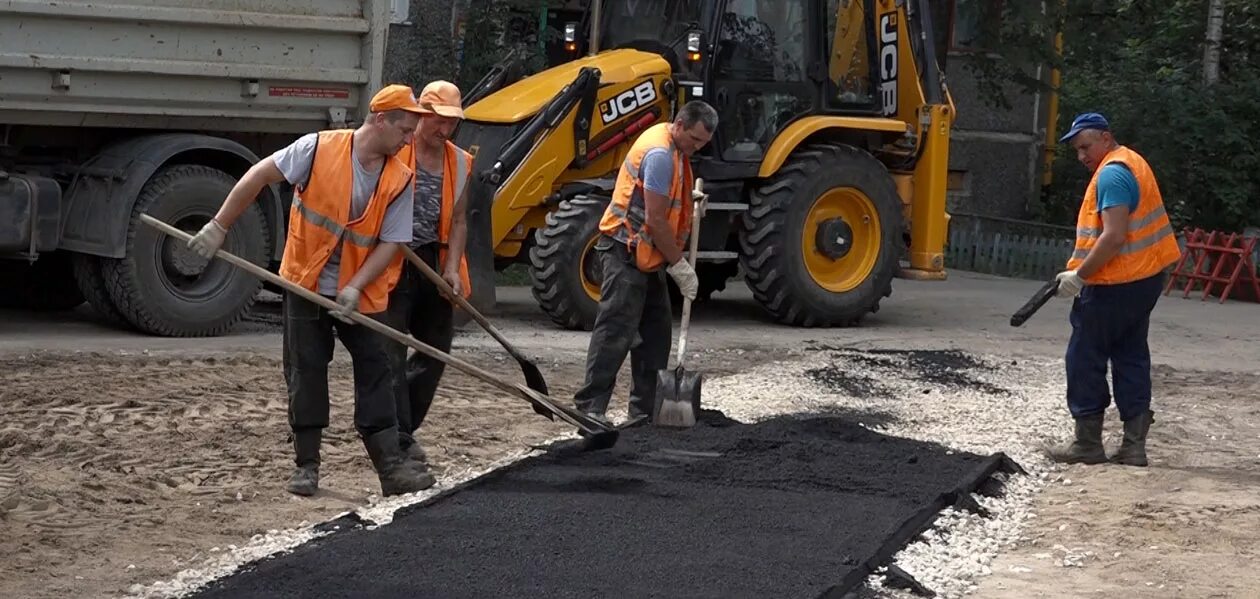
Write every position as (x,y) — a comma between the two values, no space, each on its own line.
(821,239)
(563,269)
(45,286)
(163,288)
(91,283)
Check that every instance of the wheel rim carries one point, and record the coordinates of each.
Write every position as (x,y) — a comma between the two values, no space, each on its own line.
(184,273)
(590,271)
(841,238)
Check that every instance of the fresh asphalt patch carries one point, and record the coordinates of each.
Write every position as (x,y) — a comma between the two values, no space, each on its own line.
(789,507)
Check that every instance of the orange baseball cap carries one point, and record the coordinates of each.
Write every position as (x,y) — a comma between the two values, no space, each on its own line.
(442,98)
(396,97)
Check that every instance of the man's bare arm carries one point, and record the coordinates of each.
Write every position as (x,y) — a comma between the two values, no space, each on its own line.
(656,217)
(260,175)
(459,234)
(1115,228)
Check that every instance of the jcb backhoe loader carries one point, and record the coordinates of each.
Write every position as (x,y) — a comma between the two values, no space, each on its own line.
(827,170)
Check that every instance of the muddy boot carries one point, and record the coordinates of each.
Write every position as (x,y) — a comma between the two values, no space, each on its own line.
(305,479)
(1133,448)
(396,473)
(1087,448)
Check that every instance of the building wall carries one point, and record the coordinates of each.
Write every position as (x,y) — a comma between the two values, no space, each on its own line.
(995,154)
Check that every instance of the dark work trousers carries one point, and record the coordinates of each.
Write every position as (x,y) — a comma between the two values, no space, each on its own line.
(417,307)
(635,318)
(308,348)
(1110,324)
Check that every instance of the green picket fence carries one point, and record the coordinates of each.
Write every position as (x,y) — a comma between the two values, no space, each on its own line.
(1007,247)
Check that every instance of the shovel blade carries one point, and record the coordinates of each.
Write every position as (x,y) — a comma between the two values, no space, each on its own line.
(677,398)
(533,377)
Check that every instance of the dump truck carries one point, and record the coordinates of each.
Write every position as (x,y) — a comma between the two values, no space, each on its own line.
(114,108)
(826,177)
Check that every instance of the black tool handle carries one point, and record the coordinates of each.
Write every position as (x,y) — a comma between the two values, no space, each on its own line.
(1035,303)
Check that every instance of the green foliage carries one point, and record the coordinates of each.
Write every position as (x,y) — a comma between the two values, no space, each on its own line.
(496,27)
(1140,64)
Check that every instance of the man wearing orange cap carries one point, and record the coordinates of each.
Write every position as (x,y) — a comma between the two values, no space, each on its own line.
(439,230)
(351,209)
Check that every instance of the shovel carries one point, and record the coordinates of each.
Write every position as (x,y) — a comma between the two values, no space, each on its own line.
(599,435)
(677,390)
(533,377)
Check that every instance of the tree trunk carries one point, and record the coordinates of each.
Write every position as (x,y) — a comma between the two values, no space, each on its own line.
(1212,49)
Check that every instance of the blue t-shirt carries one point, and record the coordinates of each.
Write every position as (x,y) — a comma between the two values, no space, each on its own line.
(657,170)
(1117,187)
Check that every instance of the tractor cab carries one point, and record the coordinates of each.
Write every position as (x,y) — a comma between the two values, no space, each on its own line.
(761,63)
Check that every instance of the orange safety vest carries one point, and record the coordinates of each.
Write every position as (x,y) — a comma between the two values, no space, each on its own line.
(1150,245)
(456,173)
(623,220)
(319,220)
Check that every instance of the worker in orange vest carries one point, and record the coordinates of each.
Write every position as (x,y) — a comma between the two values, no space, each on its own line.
(1124,244)
(439,230)
(642,236)
(351,209)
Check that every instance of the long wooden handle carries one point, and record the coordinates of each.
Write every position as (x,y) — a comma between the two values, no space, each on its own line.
(375,325)
(446,288)
(691,259)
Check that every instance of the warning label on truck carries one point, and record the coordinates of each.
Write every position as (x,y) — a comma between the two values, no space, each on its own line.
(322,93)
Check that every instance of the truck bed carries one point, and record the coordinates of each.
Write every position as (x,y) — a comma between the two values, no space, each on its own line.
(282,66)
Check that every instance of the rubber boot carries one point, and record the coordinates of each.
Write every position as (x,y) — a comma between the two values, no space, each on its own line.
(1132,450)
(1087,448)
(305,479)
(396,473)
(417,459)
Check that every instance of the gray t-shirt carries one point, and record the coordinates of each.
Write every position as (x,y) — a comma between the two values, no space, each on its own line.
(294,162)
(428,207)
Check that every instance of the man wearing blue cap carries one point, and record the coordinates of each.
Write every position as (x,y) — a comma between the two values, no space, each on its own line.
(1124,243)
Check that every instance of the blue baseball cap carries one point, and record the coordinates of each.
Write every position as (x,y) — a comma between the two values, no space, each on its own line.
(1088,120)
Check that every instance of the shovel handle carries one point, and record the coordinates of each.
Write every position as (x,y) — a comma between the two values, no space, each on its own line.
(375,325)
(446,288)
(694,242)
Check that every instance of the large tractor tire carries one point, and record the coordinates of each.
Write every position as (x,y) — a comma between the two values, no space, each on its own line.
(563,264)
(821,239)
(163,288)
(45,286)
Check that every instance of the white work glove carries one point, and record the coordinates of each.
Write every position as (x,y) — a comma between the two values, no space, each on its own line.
(1070,284)
(348,299)
(700,201)
(685,276)
(208,240)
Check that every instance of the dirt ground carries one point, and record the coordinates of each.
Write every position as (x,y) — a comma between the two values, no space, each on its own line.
(1186,526)
(125,459)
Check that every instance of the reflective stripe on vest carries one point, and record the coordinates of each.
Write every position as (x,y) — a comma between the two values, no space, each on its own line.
(331,226)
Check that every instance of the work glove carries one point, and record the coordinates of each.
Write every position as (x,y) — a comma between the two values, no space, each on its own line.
(700,202)
(208,240)
(1070,284)
(348,299)
(685,276)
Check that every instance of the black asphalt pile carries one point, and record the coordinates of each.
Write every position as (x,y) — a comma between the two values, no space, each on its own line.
(863,373)
(784,508)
